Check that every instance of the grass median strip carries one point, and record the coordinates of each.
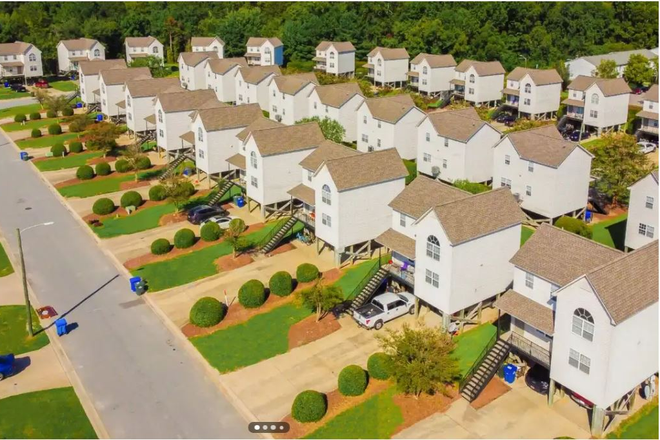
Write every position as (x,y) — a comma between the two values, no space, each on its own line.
(45,141)
(64,86)
(5,265)
(7,93)
(142,220)
(70,161)
(96,187)
(13,334)
(20,109)
(29,125)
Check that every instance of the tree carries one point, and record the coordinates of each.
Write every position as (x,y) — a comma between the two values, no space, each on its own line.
(41,95)
(177,190)
(154,64)
(421,359)
(331,129)
(102,137)
(617,164)
(321,298)
(639,70)
(133,154)
(233,234)
(56,103)
(78,123)
(607,69)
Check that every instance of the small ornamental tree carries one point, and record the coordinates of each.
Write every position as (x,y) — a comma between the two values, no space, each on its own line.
(252,294)
(103,169)
(321,299)
(309,406)
(160,246)
(207,312)
(233,234)
(352,381)
(103,206)
(184,238)
(574,225)
(607,69)
(85,172)
(78,123)
(330,128)
(281,283)
(102,137)
(132,156)
(177,189)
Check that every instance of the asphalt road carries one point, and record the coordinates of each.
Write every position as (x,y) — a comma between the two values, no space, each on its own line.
(140,379)
(16,102)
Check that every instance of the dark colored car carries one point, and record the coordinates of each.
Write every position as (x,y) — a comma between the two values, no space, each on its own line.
(42,84)
(196,216)
(505,117)
(18,87)
(538,379)
(6,365)
(575,136)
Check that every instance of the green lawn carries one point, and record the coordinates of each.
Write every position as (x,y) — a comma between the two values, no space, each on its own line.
(45,141)
(142,220)
(71,161)
(470,344)
(8,93)
(21,109)
(260,337)
(5,265)
(64,86)
(29,125)
(376,417)
(55,413)
(411,166)
(593,143)
(352,277)
(611,232)
(642,424)
(13,332)
(96,187)
(526,232)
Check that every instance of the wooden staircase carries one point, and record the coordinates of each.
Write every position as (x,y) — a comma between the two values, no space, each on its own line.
(224,188)
(369,289)
(484,370)
(277,237)
(172,167)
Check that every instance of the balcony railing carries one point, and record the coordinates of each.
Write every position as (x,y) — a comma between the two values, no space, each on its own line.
(575,115)
(407,275)
(512,102)
(649,129)
(320,66)
(305,217)
(526,347)
(370,73)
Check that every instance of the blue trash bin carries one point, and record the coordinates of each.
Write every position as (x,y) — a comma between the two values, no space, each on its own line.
(79,105)
(99,118)
(6,85)
(24,156)
(510,373)
(240,201)
(133,282)
(60,324)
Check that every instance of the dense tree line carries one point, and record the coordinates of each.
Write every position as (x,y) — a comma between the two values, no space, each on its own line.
(543,33)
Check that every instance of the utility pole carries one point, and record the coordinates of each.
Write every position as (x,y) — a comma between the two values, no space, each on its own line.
(28,308)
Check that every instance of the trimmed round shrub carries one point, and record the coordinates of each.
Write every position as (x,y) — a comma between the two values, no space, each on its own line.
(143,163)
(85,172)
(58,150)
(75,147)
(379,366)
(36,133)
(122,166)
(157,193)
(281,283)
(252,294)
(54,129)
(207,312)
(103,206)
(352,381)
(574,225)
(68,111)
(131,198)
(309,406)
(34,116)
(20,118)
(160,246)
(210,231)
(189,188)
(307,272)
(102,169)
(184,238)
(51,114)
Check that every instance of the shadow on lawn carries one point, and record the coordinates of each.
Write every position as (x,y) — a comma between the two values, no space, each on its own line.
(618,233)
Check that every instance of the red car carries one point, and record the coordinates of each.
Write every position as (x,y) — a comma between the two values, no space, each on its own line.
(42,84)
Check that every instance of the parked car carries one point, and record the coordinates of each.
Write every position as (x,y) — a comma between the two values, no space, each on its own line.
(583,402)
(538,379)
(42,84)
(6,365)
(18,87)
(222,221)
(383,308)
(506,119)
(199,215)
(575,136)
(646,147)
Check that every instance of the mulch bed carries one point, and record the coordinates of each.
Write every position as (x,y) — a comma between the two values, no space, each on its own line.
(308,330)
(228,262)
(174,217)
(415,410)
(614,211)
(133,184)
(495,388)
(286,247)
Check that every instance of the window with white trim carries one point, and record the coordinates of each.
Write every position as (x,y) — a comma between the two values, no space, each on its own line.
(253,159)
(527,101)
(200,134)
(470,91)
(433,247)
(378,143)
(507,160)
(326,220)
(402,219)
(444,163)
(579,361)
(161,133)
(528,88)
(160,116)
(254,182)
(432,278)
(97,52)
(446,142)
(646,230)
(365,138)
(428,137)
(649,202)
(200,153)
(425,70)
(326,195)
(594,98)
(314,105)
(472,78)
(32,57)
(583,324)
(364,119)
(529,280)
(505,182)
(378,124)
(530,166)
(593,113)
(528,190)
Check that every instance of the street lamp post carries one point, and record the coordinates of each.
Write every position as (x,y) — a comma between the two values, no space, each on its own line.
(28,308)
(525,58)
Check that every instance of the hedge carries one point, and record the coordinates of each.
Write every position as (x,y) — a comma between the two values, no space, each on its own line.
(143,163)
(210,231)
(68,111)
(281,283)
(36,133)
(252,294)
(58,150)
(307,272)
(51,114)
(309,406)
(157,193)
(160,246)
(20,118)
(103,169)
(85,172)
(75,147)
(207,312)
(184,238)
(122,166)
(379,366)
(352,381)
(574,225)
(103,206)
(54,129)
(34,116)
(131,198)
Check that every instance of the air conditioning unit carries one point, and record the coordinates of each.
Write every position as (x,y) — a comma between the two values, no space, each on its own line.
(278,118)
(435,171)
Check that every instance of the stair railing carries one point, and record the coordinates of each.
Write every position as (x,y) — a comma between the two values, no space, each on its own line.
(272,233)
(363,283)
(473,369)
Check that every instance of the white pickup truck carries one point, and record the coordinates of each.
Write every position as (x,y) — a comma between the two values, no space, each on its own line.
(383,308)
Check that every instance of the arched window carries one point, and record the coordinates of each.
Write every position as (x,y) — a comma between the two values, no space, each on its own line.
(425,70)
(160,116)
(200,134)
(594,98)
(380,62)
(32,57)
(583,324)
(528,88)
(472,78)
(155,49)
(267,50)
(253,159)
(433,247)
(332,55)
(97,52)
(325,195)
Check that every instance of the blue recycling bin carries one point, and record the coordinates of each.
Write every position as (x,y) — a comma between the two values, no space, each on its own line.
(79,105)
(6,85)
(60,325)
(510,373)
(24,156)
(134,281)
(240,201)
(587,216)
(99,118)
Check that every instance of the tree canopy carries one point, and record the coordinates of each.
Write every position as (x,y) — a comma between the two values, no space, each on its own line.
(543,32)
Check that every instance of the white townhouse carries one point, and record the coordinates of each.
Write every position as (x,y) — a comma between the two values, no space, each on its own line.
(215,132)
(430,74)
(142,47)
(352,195)
(220,76)
(456,145)
(534,93)
(586,66)
(479,82)
(173,111)
(236,163)
(335,58)
(649,115)
(20,59)
(388,66)
(89,77)
(208,44)
(71,52)
(272,159)
(338,102)
(111,88)
(642,212)
(599,104)
(252,85)
(605,342)
(408,206)
(139,95)
(462,251)
(389,122)
(288,98)
(548,174)
(264,51)
(192,72)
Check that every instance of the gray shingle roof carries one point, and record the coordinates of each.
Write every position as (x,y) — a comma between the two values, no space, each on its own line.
(120,76)
(424,193)
(541,77)
(483,68)
(527,310)
(93,67)
(288,138)
(141,88)
(327,150)
(459,125)
(620,58)
(366,169)
(543,145)
(230,117)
